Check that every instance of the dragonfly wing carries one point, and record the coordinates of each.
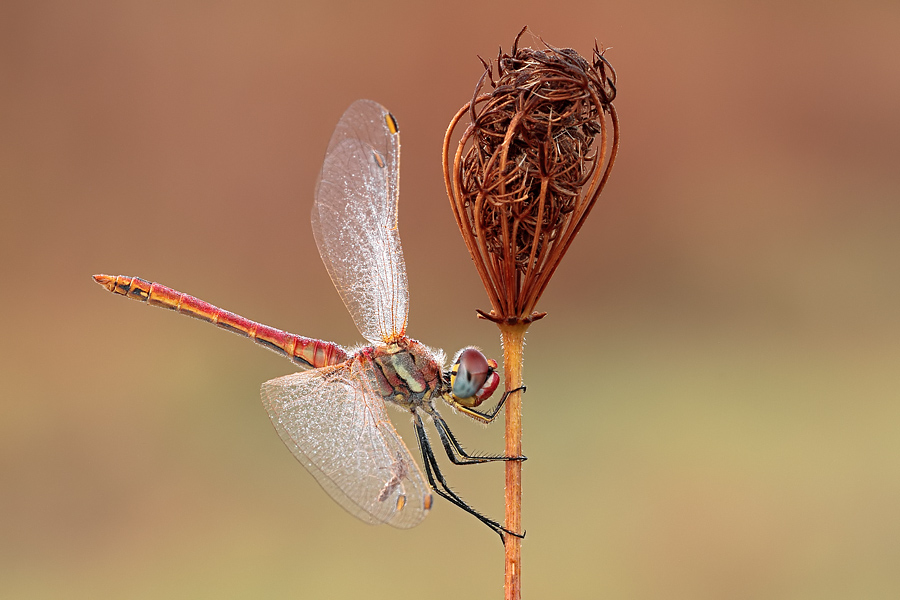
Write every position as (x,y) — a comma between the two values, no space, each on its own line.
(338,428)
(355,220)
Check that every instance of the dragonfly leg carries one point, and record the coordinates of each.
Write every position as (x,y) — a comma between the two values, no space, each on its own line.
(434,475)
(488,416)
(455,451)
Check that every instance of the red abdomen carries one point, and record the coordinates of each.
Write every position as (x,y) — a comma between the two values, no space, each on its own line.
(304,351)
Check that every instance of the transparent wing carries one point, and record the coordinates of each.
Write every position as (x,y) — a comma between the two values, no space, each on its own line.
(338,428)
(354,220)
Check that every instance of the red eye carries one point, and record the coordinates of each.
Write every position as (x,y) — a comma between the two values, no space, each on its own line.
(472,370)
(474,361)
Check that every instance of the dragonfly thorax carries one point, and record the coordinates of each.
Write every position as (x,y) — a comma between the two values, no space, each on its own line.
(404,372)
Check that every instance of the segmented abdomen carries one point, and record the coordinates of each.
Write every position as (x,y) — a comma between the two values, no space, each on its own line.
(304,351)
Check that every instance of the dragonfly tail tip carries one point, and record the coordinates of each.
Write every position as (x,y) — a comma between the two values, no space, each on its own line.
(106,281)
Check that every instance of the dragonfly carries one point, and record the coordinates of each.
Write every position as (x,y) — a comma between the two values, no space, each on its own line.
(332,414)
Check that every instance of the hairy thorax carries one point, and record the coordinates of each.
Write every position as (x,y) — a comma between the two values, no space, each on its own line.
(403,372)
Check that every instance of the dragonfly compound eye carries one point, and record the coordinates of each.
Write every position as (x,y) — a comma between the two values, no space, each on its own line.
(473,377)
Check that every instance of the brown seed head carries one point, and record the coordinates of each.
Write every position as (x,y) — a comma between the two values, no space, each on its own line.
(529,167)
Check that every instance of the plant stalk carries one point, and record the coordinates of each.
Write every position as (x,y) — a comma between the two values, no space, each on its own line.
(513,339)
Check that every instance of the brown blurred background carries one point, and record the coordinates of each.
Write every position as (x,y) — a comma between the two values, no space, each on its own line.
(712,407)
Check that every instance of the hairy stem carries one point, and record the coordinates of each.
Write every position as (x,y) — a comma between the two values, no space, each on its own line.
(513,338)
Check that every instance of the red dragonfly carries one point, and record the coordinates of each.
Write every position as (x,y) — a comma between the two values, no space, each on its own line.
(332,416)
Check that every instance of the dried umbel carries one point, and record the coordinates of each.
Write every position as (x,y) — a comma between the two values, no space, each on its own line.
(530,166)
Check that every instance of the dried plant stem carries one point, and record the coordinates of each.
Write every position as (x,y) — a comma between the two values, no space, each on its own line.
(513,338)
(526,172)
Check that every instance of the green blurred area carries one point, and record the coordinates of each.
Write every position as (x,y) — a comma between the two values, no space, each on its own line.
(712,406)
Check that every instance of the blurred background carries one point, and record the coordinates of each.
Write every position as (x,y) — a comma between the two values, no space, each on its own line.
(712,407)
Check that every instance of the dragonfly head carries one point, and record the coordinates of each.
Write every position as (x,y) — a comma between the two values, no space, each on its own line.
(473,378)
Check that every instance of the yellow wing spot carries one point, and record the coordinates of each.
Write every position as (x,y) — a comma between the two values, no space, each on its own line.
(401,502)
(391,123)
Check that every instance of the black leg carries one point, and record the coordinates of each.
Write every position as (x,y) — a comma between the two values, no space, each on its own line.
(454,448)
(484,417)
(432,472)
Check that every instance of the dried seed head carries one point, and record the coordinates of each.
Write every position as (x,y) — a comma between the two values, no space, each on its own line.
(529,167)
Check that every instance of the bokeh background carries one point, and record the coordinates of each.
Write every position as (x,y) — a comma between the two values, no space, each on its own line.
(712,407)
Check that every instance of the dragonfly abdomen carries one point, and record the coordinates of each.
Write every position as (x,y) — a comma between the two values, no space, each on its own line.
(308,352)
